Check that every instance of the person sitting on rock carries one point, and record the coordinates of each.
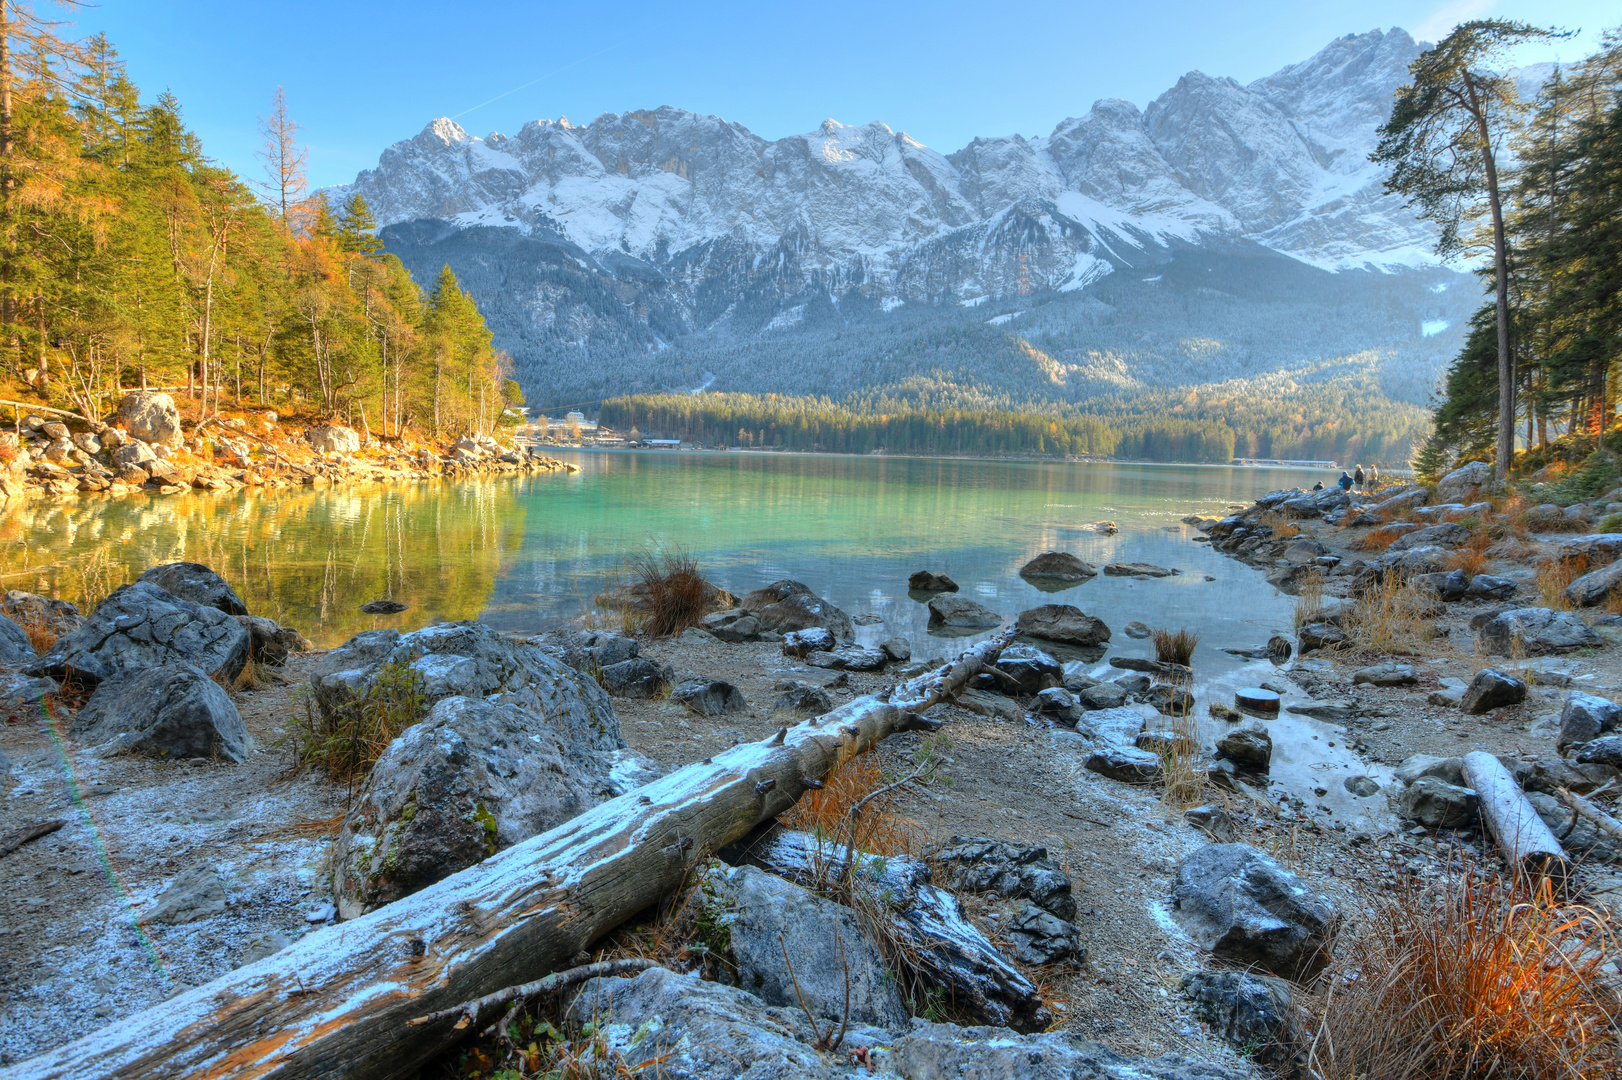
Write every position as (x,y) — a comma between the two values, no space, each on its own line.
(1345,482)
(1319,486)
(1357,478)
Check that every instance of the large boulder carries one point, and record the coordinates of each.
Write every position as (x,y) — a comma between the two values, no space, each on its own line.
(1448,535)
(473,778)
(1596,586)
(1536,631)
(333,439)
(151,416)
(1436,804)
(1492,689)
(949,1052)
(1585,717)
(469,659)
(1463,484)
(1251,1011)
(1243,906)
(269,642)
(1063,623)
(768,918)
(961,613)
(173,711)
(141,626)
(1058,567)
(15,648)
(197,583)
(786,606)
(28,609)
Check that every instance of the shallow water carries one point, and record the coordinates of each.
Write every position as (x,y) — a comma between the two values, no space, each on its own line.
(527,553)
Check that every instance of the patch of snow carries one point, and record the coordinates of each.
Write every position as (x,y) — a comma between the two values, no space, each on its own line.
(974,301)
(1432,327)
(792,317)
(890,303)
(999,320)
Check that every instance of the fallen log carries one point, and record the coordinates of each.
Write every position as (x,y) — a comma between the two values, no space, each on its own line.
(338,1001)
(16,838)
(20,405)
(1524,840)
(1582,807)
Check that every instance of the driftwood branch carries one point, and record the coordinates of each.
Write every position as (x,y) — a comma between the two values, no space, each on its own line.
(16,838)
(338,1001)
(468,1012)
(46,409)
(1524,840)
(1585,808)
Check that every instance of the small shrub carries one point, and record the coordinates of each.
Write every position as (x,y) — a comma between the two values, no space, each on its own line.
(1610,523)
(1554,575)
(1283,528)
(347,742)
(671,591)
(1309,597)
(1394,615)
(1471,556)
(1175,648)
(1494,977)
(40,636)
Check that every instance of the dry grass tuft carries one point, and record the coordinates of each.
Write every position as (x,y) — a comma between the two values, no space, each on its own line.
(1182,766)
(1175,648)
(671,590)
(307,829)
(40,636)
(1488,979)
(1471,557)
(1554,575)
(1283,528)
(347,742)
(1395,615)
(1378,538)
(1309,597)
(879,831)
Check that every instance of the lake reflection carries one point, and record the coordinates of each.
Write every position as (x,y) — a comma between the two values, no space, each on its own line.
(526,553)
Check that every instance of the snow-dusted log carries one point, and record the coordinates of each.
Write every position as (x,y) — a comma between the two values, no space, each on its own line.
(1524,840)
(1604,822)
(337,1002)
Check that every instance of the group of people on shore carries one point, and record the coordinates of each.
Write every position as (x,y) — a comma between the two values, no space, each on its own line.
(1362,481)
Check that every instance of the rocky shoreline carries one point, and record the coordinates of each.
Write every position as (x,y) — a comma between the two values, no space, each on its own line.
(1139,868)
(146,446)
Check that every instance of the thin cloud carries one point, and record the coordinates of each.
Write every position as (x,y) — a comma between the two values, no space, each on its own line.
(1437,25)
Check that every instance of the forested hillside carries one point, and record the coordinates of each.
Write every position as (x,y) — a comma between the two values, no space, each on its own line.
(128,259)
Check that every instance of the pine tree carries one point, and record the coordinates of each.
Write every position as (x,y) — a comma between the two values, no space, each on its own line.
(357,227)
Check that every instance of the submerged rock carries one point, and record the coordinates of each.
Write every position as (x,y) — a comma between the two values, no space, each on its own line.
(1063,623)
(1058,567)
(929,581)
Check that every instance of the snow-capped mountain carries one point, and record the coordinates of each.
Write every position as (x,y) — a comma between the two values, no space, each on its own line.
(697,226)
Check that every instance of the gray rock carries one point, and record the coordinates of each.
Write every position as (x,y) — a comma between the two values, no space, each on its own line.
(960,612)
(767,917)
(151,416)
(135,454)
(849,658)
(1605,750)
(1362,787)
(1135,629)
(1492,689)
(1039,937)
(1331,711)
(141,626)
(1448,535)
(1463,484)
(1449,770)
(1322,635)
(1599,549)
(1063,623)
(680,1027)
(1058,566)
(1116,727)
(383,607)
(1436,804)
(1445,699)
(802,643)
(745,628)
(1214,821)
(57,616)
(1596,586)
(1030,668)
(1585,717)
(1488,587)
(1544,517)
(785,606)
(1075,676)
(605,648)
(948,1052)
(1241,905)
(1247,745)
(1110,695)
(638,678)
(172,711)
(1304,550)
(898,649)
(469,659)
(22,698)
(259,946)
(1251,1011)
(929,581)
(978,865)
(197,583)
(1127,764)
(15,648)
(269,643)
(1536,631)
(1138,569)
(1387,673)
(1170,700)
(803,698)
(1058,702)
(709,697)
(471,779)
(196,894)
(1135,683)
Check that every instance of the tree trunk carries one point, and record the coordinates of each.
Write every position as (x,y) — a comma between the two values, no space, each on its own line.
(1500,263)
(1526,843)
(337,1002)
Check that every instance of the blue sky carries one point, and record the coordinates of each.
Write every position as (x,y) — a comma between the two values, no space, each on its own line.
(360,75)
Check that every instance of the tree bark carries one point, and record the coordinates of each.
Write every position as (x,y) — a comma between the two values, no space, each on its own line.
(337,1002)
(1525,842)
(1500,262)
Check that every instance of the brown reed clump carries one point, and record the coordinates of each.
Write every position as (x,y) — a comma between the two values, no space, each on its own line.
(1283,528)
(1175,648)
(1554,575)
(1395,615)
(40,636)
(1309,597)
(670,590)
(878,830)
(1487,977)
(1471,556)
